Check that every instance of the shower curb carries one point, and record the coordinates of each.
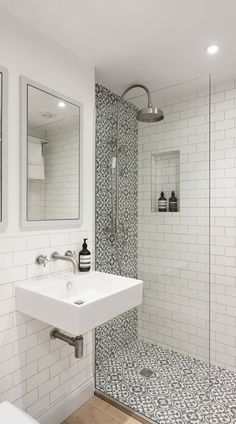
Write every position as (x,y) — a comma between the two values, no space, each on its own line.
(126,409)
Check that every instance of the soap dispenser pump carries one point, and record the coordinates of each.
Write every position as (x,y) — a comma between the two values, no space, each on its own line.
(84,258)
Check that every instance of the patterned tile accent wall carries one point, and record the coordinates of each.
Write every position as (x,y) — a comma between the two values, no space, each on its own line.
(117,332)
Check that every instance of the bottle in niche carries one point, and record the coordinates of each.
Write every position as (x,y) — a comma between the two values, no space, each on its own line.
(173,203)
(84,258)
(162,203)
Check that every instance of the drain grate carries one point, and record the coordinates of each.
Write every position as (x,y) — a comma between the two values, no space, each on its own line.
(146,372)
(79,302)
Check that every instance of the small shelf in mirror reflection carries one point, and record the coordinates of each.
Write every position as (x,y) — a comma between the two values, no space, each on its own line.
(165,177)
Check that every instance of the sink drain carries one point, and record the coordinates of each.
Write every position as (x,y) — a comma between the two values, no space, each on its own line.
(146,372)
(79,302)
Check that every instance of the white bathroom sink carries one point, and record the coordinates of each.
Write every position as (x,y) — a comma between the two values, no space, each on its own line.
(101,297)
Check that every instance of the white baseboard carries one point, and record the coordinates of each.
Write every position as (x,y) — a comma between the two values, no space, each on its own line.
(60,411)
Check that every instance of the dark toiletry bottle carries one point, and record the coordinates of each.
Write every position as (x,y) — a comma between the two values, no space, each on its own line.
(162,203)
(84,258)
(173,203)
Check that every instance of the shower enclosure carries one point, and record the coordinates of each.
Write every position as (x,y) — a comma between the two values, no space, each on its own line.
(171,359)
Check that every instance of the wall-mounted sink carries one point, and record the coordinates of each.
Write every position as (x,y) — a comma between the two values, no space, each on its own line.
(78,303)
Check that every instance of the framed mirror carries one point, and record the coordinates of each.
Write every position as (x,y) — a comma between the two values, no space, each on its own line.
(3,146)
(51,166)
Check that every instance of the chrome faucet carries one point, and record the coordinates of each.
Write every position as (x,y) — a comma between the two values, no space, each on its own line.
(68,258)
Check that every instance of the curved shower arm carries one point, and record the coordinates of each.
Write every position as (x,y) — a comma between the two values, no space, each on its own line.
(137,86)
(117,161)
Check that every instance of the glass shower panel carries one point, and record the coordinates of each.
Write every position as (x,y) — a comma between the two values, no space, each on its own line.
(173,259)
(156,361)
(223,253)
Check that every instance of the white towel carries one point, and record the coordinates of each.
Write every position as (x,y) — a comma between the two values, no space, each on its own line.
(36,169)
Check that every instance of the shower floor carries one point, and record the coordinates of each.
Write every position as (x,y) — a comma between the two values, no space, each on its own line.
(167,387)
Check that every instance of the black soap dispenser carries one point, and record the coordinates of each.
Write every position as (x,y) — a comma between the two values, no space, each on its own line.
(173,203)
(84,258)
(162,203)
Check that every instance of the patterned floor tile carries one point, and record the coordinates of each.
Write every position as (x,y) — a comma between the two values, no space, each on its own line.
(177,392)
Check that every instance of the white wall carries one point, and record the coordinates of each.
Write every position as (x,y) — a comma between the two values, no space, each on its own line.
(62,171)
(174,248)
(223,224)
(36,373)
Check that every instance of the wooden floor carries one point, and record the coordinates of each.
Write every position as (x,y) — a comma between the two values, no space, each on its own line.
(97,411)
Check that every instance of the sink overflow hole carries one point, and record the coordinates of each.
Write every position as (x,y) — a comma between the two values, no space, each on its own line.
(79,302)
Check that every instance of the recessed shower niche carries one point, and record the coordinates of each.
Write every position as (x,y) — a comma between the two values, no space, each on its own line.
(165,177)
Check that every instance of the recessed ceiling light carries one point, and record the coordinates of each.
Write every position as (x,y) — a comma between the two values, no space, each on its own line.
(212,49)
(61,104)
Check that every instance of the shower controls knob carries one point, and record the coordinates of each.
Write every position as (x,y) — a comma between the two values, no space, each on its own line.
(42,260)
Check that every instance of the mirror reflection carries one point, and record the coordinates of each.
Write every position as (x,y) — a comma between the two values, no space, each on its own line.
(1,102)
(53,136)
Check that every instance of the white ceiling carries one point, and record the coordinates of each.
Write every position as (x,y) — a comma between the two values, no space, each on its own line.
(156,42)
(41,103)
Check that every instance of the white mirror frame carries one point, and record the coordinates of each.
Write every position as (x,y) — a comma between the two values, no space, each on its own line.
(4,147)
(45,224)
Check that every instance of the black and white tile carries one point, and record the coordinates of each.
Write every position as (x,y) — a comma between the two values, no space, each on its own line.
(115,334)
(181,389)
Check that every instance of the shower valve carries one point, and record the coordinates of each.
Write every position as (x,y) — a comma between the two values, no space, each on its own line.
(121,149)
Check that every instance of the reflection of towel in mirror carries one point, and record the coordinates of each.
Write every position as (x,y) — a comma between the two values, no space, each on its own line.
(35,159)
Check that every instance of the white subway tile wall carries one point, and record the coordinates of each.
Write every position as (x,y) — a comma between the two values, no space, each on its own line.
(62,170)
(57,197)
(36,199)
(223,224)
(35,371)
(174,248)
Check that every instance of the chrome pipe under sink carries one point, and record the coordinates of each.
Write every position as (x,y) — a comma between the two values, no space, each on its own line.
(77,341)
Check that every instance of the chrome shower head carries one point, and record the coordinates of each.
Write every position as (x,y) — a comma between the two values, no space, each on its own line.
(150,114)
